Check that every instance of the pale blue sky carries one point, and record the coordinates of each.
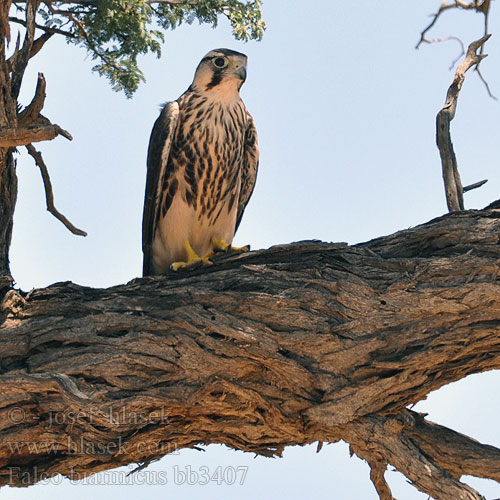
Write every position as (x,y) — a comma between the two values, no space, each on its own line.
(345,111)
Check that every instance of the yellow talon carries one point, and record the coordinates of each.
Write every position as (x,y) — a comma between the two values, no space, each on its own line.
(221,246)
(192,259)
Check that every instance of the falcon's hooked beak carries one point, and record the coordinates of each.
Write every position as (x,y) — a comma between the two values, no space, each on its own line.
(240,72)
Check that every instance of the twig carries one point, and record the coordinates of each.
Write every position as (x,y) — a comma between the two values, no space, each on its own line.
(478,71)
(141,466)
(485,9)
(433,22)
(479,6)
(453,186)
(69,15)
(49,194)
(39,43)
(47,29)
(446,39)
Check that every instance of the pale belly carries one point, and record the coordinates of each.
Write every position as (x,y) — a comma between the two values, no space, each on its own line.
(184,223)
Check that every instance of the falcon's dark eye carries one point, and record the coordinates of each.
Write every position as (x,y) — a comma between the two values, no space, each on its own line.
(220,62)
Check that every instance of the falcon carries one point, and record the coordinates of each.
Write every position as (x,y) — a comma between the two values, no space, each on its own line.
(201,168)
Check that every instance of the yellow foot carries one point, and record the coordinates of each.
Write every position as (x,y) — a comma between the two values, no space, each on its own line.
(221,246)
(192,259)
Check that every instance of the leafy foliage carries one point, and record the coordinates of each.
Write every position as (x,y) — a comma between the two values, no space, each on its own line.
(245,17)
(116,32)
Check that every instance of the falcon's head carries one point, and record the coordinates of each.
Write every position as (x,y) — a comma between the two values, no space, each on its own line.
(221,73)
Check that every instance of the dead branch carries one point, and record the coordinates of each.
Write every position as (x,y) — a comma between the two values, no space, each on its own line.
(476,185)
(447,39)
(49,194)
(444,6)
(453,185)
(21,56)
(30,115)
(301,343)
(39,43)
(481,6)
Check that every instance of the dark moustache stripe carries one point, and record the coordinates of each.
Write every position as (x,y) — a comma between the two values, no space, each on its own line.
(216,79)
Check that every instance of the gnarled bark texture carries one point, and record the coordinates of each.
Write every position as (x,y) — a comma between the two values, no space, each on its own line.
(299,343)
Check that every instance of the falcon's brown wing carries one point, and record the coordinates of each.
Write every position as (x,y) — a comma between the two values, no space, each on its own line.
(160,143)
(249,168)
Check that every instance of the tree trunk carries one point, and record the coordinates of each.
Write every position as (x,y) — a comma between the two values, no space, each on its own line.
(299,343)
(8,196)
(8,178)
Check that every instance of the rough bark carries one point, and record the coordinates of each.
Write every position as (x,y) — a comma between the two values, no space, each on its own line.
(299,343)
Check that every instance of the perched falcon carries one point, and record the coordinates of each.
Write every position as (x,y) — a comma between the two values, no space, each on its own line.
(202,166)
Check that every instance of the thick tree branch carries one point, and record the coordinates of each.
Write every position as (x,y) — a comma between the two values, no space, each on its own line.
(388,439)
(453,451)
(452,183)
(297,344)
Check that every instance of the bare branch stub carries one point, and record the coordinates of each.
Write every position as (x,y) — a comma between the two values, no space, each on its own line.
(451,177)
(30,114)
(49,194)
(13,137)
(476,185)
